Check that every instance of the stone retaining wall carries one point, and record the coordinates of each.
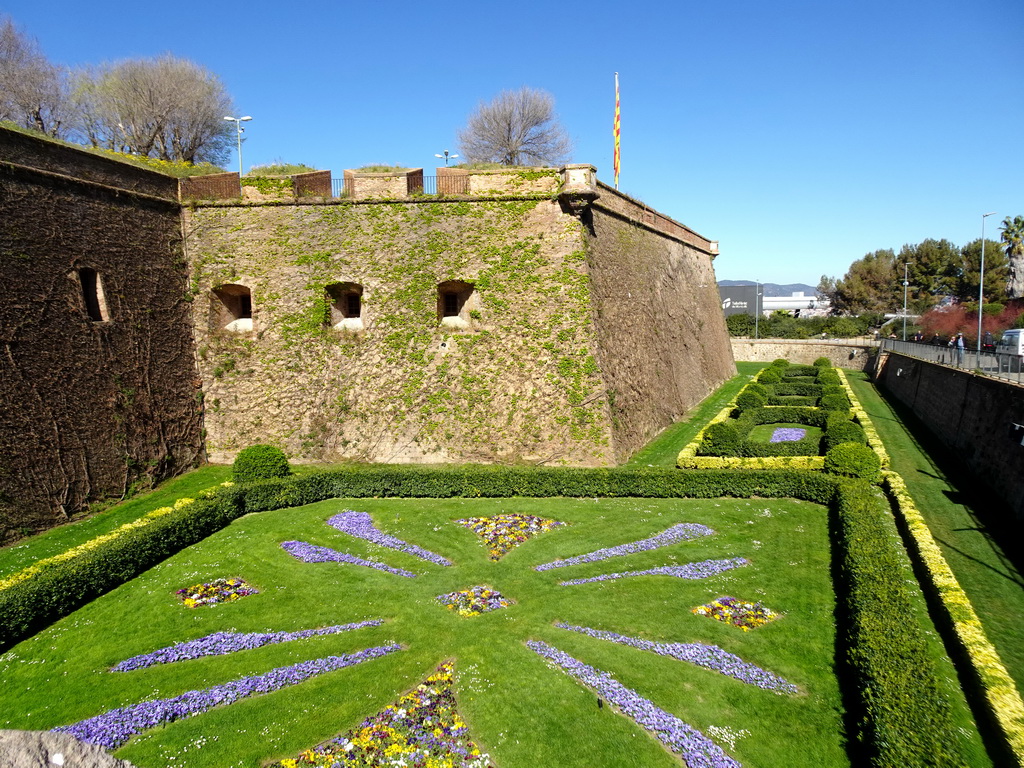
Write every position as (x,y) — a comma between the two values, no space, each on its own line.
(858,355)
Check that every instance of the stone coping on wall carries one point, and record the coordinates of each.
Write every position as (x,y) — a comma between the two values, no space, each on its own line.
(27,151)
(619,204)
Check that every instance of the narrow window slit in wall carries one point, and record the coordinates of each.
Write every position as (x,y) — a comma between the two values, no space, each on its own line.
(92,294)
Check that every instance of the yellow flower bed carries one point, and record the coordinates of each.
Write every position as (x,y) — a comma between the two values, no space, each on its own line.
(862,418)
(81,549)
(1000,689)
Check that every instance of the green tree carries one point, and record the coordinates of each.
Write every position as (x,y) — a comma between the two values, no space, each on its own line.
(870,285)
(1013,242)
(740,325)
(932,270)
(996,271)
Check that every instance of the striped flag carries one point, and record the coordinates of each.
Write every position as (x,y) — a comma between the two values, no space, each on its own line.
(616,131)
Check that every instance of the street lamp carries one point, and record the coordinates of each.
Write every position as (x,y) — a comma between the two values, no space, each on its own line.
(905,284)
(757,307)
(238,124)
(445,156)
(981,279)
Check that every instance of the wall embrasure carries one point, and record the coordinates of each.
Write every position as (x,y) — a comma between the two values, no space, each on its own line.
(519,381)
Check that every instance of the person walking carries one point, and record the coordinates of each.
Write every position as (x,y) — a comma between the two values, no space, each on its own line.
(959,348)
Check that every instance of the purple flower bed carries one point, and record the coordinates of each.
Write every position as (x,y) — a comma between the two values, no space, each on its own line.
(680,532)
(360,525)
(221,643)
(112,729)
(696,749)
(787,435)
(310,553)
(707,656)
(701,570)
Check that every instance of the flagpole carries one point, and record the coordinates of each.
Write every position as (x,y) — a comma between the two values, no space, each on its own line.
(615,132)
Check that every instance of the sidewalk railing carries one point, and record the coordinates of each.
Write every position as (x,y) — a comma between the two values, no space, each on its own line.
(1000,364)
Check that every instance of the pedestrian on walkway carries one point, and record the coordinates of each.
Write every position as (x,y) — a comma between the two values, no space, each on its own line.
(959,345)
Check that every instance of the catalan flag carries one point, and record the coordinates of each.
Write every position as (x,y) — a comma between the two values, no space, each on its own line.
(615,132)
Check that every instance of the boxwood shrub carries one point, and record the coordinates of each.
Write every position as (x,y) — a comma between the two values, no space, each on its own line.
(748,399)
(843,432)
(822,362)
(260,462)
(853,460)
(835,402)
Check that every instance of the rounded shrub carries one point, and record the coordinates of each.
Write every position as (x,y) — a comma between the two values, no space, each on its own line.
(827,376)
(833,418)
(720,439)
(853,460)
(749,399)
(260,462)
(758,388)
(780,363)
(770,376)
(822,362)
(834,402)
(844,432)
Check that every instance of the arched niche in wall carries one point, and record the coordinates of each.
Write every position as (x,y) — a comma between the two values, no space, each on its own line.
(93,299)
(231,308)
(345,306)
(454,302)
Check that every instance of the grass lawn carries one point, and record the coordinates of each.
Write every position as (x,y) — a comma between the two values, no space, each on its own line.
(519,710)
(963,520)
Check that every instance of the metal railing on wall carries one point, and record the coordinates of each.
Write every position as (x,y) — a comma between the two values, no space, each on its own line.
(448,185)
(1003,365)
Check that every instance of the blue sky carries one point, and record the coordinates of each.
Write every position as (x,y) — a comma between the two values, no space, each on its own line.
(800,134)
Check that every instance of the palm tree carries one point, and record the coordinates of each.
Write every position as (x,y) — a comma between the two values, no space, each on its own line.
(1013,242)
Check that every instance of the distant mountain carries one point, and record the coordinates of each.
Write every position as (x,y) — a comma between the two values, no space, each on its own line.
(774,289)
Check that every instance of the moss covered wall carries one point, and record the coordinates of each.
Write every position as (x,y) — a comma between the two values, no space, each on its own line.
(661,337)
(87,408)
(519,384)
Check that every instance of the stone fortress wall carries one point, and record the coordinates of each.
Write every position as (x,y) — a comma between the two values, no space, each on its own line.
(526,315)
(581,331)
(98,383)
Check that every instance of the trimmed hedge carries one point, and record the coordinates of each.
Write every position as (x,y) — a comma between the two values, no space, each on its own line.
(844,432)
(721,439)
(853,460)
(906,720)
(260,462)
(822,362)
(748,399)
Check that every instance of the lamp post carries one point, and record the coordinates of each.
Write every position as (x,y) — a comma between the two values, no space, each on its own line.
(238,124)
(905,284)
(757,307)
(981,279)
(445,156)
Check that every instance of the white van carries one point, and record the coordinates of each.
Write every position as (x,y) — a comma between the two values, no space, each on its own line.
(1010,349)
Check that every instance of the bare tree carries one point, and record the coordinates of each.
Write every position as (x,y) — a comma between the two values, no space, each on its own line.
(516,128)
(33,92)
(168,108)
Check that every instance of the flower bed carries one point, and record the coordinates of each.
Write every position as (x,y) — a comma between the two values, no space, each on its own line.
(112,729)
(422,728)
(679,532)
(221,643)
(707,656)
(310,553)
(696,749)
(214,592)
(701,570)
(505,532)
(729,610)
(787,434)
(360,524)
(474,601)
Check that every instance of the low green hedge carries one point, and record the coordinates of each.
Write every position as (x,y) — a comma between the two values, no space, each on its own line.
(260,462)
(792,400)
(843,431)
(906,719)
